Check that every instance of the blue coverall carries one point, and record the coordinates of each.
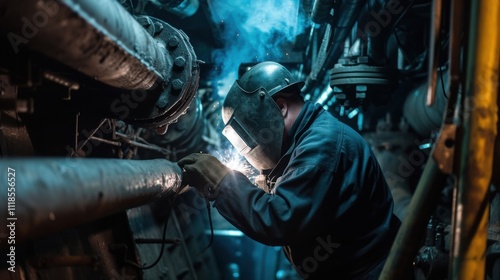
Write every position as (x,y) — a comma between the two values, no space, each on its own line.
(331,208)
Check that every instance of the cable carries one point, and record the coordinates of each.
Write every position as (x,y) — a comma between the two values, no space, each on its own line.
(442,85)
(145,267)
(207,202)
(131,7)
(211,226)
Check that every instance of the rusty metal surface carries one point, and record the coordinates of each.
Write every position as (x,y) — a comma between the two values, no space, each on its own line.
(477,138)
(145,58)
(98,38)
(445,148)
(56,193)
(432,75)
(495,177)
(177,94)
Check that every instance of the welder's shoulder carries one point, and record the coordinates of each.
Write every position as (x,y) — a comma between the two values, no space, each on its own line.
(331,141)
(349,137)
(320,145)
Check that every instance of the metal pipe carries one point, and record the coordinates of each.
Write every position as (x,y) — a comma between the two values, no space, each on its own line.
(58,261)
(407,242)
(495,179)
(51,194)
(345,17)
(390,162)
(184,8)
(386,18)
(321,11)
(422,118)
(96,37)
(474,165)
(437,7)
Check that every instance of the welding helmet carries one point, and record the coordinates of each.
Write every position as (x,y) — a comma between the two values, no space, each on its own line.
(253,121)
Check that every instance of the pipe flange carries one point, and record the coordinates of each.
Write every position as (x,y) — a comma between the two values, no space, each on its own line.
(172,97)
(362,74)
(363,82)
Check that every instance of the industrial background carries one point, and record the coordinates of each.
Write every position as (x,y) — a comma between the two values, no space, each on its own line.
(100,98)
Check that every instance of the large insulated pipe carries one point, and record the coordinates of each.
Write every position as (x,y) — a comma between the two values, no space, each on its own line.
(96,37)
(476,142)
(183,8)
(422,118)
(43,195)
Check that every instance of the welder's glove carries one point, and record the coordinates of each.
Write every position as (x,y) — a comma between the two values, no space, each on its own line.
(203,172)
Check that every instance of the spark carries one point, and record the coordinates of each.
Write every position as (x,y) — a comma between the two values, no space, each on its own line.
(235,161)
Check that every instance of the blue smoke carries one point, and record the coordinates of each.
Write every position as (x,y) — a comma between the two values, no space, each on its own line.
(253,31)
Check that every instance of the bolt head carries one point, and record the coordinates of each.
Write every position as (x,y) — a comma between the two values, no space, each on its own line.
(173,41)
(180,61)
(177,84)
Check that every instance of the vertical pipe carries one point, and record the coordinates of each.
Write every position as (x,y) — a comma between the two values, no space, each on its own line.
(399,262)
(347,15)
(476,145)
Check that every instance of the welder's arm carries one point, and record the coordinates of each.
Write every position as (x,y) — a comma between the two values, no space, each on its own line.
(289,215)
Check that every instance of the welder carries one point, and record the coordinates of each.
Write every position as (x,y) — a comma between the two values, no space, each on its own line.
(325,199)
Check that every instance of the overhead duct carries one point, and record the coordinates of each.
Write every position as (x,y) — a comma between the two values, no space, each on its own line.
(50,194)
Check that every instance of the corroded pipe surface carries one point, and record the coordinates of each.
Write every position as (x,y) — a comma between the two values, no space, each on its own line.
(96,37)
(475,164)
(51,194)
